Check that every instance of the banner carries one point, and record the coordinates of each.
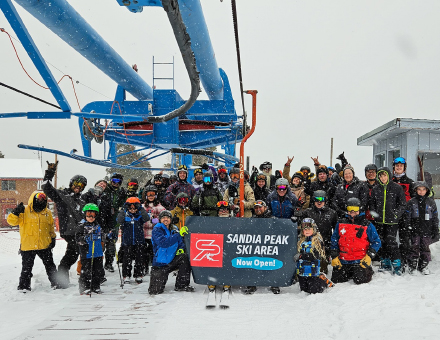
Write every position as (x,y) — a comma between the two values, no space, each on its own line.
(241,251)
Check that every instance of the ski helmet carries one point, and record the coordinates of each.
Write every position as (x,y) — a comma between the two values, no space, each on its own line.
(150,187)
(322,168)
(91,207)
(400,160)
(369,167)
(79,180)
(299,175)
(198,171)
(223,205)
(305,168)
(353,202)
(266,165)
(165,213)
(208,178)
(261,177)
(319,196)
(281,181)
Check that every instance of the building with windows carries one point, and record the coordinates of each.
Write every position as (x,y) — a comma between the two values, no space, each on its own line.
(19,178)
(417,140)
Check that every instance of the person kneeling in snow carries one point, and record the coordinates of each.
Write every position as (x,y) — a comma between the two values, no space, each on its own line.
(354,242)
(169,255)
(37,238)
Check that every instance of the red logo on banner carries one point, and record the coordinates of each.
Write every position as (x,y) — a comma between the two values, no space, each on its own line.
(206,250)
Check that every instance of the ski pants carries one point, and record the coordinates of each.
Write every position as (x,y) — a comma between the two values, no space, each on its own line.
(132,253)
(352,271)
(91,275)
(420,248)
(148,252)
(110,250)
(68,260)
(27,263)
(404,240)
(159,275)
(311,284)
(388,237)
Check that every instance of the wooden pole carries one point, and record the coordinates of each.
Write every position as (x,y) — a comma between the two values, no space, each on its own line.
(331,152)
(55,181)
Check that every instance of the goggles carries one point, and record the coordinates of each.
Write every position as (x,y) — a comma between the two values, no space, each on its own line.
(223,205)
(261,178)
(90,214)
(319,199)
(234,176)
(198,171)
(41,196)
(134,206)
(182,168)
(266,167)
(116,180)
(151,194)
(281,187)
(308,220)
(182,200)
(207,180)
(399,160)
(352,208)
(222,171)
(132,184)
(78,185)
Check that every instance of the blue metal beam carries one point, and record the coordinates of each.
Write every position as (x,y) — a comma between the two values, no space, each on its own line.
(26,40)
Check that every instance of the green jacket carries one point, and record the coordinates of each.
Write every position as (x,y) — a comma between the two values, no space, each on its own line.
(206,201)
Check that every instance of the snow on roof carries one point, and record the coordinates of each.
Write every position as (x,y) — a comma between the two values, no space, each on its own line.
(20,168)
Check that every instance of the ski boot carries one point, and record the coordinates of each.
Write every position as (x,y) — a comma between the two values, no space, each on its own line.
(126,280)
(85,292)
(275,290)
(423,267)
(184,289)
(109,267)
(138,280)
(250,290)
(24,289)
(397,267)
(385,265)
(211,288)
(97,290)
(412,267)
(103,279)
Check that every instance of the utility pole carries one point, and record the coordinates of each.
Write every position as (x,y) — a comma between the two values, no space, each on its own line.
(331,152)
(56,170)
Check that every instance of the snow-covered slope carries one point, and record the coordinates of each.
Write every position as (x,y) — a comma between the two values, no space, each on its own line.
(389,307)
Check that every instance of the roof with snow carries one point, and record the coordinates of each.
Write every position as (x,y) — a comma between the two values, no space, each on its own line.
(20,168)
(398,126)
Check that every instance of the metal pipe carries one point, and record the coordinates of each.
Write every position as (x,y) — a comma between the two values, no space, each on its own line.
(254,123)
(194,19)
(64,21)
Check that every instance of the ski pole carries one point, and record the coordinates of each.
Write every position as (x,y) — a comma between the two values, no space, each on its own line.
(91,265)
(119,270)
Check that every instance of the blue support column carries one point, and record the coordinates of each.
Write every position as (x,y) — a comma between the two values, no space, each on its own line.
(26,40)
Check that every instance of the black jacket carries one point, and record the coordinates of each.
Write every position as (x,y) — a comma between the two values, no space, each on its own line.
(407,185)
(326,219)
(387,200)
(267,214)
(355,189)
(69,207)
(261,194)
(415,219)
(105,218)
(327,186)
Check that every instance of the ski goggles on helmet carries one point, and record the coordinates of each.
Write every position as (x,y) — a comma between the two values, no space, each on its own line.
(207,180)
(266,167)
(116,180)
(134,206)
(319,199)
(91,214)
(223,205)
(198,171)
(260,203)
(182,200)
(151,194)
(234,176)
(222,171)
(352,208)
(307,223)
(41,196)
(261,178)
(182,168)
(282,187)
(399,160)
(78,184)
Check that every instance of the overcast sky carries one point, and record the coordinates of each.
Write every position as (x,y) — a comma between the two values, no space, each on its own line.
(322,69)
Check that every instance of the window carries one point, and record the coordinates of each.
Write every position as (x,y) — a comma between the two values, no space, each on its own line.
(430,162)
(8,185)
(391,156)
(379,160)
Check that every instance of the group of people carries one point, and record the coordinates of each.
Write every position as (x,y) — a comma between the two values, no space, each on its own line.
(341,221)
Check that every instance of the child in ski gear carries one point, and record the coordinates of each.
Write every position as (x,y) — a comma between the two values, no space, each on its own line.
(37,238)
(422,223)
(181,211)
(387,204)
(153,208)
(232,194)
(131,221)
(205,202)
(354,242)
(282,201)
(169,255)
(311,253)
(89,238)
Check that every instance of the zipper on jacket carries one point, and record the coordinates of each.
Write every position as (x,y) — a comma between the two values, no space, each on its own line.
(384,204)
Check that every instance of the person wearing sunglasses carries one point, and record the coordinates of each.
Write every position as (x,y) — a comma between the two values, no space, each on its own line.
(232,194)
(181,185)
(69,206)
(387,204)
(266,168)
(260,189)
(353,244)
(350,187)
(223,179)
(37,238)
(153,207)
(206,200)
(131,221)
(282,202)
(117,196)
(325,219)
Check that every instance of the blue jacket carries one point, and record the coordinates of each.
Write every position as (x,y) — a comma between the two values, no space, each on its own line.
(284,209)
(89,239)
(165,244)
(132,226)
(372,235)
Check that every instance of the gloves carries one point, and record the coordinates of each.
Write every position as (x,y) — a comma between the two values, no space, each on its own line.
(336,263)
(155,220)
(175,190)
(112,236)
(52,244)
(371,253)
(180,251)
(51,169)
(296,257)
(183,231)
(310,176)
(205,166)
(365,262)
(19,209)
(175,220)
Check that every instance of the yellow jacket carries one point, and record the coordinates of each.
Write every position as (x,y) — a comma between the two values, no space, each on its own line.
(36,228)
(181,214)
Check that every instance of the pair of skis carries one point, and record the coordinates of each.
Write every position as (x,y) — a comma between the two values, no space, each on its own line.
(211,301)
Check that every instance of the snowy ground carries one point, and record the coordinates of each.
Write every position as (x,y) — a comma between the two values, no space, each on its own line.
(389,307)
